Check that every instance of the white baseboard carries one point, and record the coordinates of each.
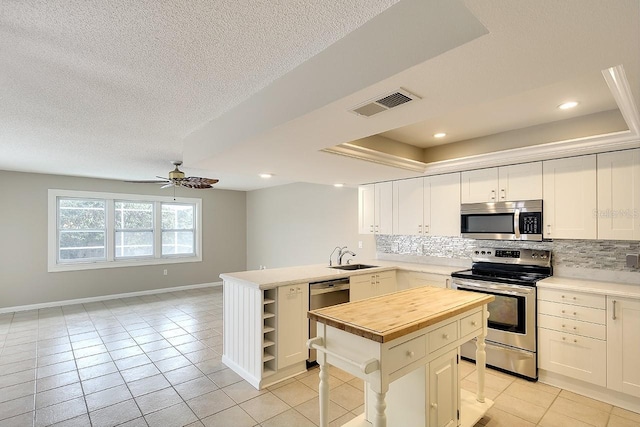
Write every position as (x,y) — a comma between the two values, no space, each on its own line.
(105,297)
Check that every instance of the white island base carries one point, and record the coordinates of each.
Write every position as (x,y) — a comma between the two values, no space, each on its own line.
(411,380)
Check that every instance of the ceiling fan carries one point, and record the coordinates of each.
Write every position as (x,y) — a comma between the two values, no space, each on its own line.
(177,179)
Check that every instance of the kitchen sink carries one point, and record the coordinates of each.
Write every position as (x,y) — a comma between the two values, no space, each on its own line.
(353,266)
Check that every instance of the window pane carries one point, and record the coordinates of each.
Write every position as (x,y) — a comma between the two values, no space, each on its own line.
(134,243)
(79,245)
(76,214)
(176,216)
(134,215)
(177,242)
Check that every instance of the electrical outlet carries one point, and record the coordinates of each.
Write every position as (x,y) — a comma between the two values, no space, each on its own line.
(633,260)
(165,272)
(359,244)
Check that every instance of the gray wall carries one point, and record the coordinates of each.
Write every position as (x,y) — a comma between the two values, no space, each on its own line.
(300,224)
(24,278)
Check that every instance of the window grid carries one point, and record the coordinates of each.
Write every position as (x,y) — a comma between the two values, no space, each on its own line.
(137,240)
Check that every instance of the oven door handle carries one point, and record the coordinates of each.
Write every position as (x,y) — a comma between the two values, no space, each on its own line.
(502,289)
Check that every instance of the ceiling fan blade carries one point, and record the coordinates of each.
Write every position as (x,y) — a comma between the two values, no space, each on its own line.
(170,184)
(197,179)
(195,185)
(148,182)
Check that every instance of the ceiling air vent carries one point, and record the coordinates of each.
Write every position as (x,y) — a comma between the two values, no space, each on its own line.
(384,102)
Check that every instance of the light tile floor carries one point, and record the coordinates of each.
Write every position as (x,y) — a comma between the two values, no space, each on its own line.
(156,361)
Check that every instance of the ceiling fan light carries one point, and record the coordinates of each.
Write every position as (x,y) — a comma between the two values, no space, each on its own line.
(439,135)
(265,175)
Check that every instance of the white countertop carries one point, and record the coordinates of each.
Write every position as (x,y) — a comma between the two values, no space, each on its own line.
(592,286)
(274,277)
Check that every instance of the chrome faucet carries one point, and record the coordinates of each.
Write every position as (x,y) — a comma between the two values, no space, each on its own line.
(334,250)
(342,253)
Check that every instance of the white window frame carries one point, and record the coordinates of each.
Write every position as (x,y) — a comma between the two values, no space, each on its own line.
(111,261)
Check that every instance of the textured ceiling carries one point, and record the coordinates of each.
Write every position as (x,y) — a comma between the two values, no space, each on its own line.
(124,82)
(114,89)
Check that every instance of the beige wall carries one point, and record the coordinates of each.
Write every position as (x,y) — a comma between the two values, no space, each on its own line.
(24,279)
(300,224)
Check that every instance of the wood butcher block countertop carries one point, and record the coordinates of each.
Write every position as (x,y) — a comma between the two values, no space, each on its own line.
(387,317)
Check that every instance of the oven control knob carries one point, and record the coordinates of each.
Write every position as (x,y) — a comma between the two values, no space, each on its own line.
(488,252)
(477,252)
(483,252)
(534,255)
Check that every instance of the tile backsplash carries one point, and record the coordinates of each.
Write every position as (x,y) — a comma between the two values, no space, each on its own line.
(585,254)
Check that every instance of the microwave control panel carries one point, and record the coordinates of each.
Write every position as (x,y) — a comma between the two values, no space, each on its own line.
(531,223)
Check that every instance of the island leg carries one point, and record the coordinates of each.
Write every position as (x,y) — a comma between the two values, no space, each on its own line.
(481,358)
(380,418)
(323,390)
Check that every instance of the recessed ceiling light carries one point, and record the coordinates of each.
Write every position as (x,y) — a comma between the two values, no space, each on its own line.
(266,175)
(439,135)
(567,105)
(338,185)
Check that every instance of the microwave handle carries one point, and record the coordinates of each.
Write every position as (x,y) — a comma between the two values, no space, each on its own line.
(516,223)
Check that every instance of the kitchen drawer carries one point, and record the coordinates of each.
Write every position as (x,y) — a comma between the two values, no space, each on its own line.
(407,353)
(443,336)
(470,323)
(585,329)
(573,298)
(575,312)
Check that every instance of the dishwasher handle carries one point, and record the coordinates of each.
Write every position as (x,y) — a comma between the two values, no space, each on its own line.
(328,286)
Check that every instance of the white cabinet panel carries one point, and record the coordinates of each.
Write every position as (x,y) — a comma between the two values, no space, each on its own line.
(442,205)
(443,391)
(479,186)
(520,182)
(371,285)
(574,356)
(427,206)
(619,195)
(623,345)
(408,206)
(375,204)
(505,183)
(292,327)
(569,194)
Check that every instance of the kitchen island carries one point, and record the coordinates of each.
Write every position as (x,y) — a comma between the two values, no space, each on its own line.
(404,346)
(265,311)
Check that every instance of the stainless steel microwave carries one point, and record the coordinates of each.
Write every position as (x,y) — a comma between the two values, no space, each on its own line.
(502,220)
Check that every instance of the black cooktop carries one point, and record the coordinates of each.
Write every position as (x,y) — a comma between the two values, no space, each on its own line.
(526,275)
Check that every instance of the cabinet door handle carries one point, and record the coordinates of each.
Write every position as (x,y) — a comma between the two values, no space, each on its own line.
(614,310)
(434,405)
(445,336)
(548,228)
(426,229)
(493,195)
(474,323)
(503,194)
(410,354)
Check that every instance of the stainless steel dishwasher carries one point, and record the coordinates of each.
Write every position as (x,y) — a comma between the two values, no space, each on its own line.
(325,294)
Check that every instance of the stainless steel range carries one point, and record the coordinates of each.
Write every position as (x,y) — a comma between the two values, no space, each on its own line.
(510,275)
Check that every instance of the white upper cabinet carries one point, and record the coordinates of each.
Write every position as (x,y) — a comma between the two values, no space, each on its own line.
(442,205)
(569,195)
(427,206)
(506,183)
(375,208)
(408,206)
(619,195)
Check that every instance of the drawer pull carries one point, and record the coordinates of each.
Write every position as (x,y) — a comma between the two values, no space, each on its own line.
(474,323)
(575,314)
(434,405)
(563,339)
(563,326)
(562,311)
(561,296)
(410,354)
(575,328)
(575,340)
(574,298)
(445,336)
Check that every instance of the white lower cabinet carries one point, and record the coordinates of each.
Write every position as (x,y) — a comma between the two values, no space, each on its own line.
(292,329)
(590,337)
(570,335)
(371,285)
(415,279)
(623,345)
(443,404)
